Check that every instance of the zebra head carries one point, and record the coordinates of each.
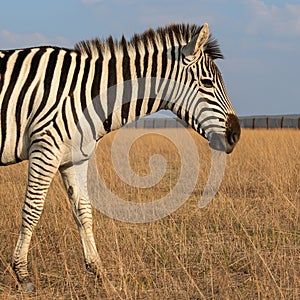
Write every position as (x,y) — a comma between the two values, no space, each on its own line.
(207,108)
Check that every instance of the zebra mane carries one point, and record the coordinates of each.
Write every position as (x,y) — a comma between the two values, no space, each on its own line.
(169,35)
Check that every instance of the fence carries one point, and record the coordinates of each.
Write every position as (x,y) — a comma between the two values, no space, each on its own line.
(286,121)
(158,123)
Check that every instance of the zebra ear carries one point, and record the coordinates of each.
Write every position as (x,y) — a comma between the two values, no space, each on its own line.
(194,47)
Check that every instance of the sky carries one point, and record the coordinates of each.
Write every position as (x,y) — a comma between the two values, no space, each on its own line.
(259,39)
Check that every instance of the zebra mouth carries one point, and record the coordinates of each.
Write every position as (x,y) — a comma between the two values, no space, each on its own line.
(217,142)
(224,142)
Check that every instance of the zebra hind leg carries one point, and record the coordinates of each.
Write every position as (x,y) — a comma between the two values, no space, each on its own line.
(40,174)
(82,213)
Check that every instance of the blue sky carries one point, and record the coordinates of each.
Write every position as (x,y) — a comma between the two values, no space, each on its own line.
(260,39)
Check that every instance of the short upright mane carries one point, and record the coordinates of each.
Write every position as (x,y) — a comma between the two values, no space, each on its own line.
(171,35)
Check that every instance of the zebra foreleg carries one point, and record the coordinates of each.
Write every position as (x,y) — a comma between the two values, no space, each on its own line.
(82,212)
(40,175)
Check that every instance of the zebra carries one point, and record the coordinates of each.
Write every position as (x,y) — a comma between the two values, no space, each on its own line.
(45,90)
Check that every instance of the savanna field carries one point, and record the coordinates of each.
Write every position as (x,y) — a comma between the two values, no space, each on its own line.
(244,245)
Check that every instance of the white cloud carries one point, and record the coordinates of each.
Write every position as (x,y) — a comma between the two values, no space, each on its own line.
(293,9)
(10,40)
(279,20)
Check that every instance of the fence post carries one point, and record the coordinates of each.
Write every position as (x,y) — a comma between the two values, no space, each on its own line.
(267,122)
(282,122)
(253,123)
(299,123)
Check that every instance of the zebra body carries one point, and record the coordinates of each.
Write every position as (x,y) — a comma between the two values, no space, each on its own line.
(45,91)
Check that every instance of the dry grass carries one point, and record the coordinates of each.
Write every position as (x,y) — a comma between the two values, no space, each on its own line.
(243,245)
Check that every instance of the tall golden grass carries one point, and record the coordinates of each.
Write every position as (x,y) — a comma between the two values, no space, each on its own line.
(244,245)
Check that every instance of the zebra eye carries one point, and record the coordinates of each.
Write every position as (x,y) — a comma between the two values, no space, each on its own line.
(207,83)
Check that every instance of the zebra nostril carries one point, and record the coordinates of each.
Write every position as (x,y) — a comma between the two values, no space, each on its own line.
(233,138)
(233,135)
(230,139)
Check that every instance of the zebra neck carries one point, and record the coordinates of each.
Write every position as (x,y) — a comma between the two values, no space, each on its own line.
(138,84)
(131,100)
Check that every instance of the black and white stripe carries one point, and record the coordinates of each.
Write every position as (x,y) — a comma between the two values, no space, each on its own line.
(45,91)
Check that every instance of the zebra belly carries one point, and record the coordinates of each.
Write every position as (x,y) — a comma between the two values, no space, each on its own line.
(10,153)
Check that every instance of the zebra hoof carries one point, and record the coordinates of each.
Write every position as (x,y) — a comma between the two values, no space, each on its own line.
(98,271)
(93,268)
(27,286)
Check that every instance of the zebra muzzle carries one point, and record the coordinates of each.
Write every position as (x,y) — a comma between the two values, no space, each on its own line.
(217,142)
